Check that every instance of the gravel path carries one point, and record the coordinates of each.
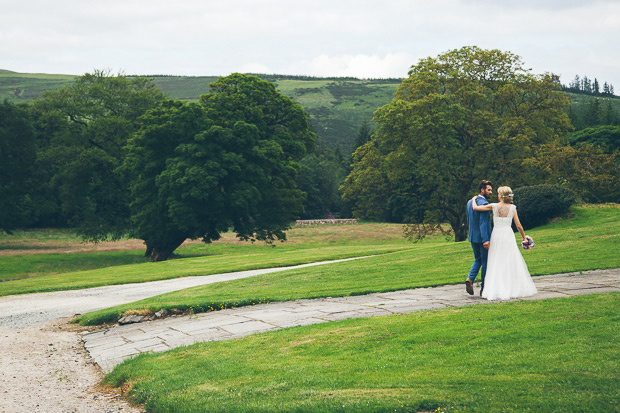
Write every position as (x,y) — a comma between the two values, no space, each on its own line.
(44,367)
(22,310)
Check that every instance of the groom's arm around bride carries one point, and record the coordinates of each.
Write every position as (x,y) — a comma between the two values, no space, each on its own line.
(479,235)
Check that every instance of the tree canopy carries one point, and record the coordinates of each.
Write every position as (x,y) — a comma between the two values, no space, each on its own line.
(465,115)
(607,137)
(17,156)
(81,130)
(229,161)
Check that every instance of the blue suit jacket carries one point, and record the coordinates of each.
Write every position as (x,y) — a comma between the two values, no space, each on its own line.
(479,222)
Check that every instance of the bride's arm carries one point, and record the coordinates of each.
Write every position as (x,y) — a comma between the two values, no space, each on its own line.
(477,207)
(518,225)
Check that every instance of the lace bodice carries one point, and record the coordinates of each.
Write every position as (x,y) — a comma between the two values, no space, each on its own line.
(503,214)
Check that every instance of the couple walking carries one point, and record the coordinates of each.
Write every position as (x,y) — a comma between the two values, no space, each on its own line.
(502,269)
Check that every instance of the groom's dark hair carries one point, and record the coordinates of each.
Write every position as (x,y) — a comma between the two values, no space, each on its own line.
(483,184)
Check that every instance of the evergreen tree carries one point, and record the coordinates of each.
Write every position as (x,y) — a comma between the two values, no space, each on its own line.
(593,115)
(595,87)
(587,85)
(228,162)
(610,115)
(363,135)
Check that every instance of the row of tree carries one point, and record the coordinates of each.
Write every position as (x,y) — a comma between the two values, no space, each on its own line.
(111,156)
(594,112)
(589,87)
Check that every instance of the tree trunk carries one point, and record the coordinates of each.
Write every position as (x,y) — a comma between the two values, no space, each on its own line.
(460,233)
(163,251)
(149,249)
(459,226)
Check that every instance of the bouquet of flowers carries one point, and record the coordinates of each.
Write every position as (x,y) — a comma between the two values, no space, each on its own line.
(528,244)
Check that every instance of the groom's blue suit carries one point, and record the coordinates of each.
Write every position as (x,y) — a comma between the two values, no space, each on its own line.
(479,233)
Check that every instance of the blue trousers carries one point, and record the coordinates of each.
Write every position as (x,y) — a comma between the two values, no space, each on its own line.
(480,263)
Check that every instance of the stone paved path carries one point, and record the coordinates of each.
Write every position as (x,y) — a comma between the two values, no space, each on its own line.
(108,347)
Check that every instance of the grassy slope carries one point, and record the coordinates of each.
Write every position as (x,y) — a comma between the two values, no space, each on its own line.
(578,100)
(588,241)
(548,355)
(338,108)
(25,87)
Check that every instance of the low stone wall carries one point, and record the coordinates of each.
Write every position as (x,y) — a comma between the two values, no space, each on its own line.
(304,222)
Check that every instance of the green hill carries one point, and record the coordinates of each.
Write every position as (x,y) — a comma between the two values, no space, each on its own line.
(337,106)
(24,87)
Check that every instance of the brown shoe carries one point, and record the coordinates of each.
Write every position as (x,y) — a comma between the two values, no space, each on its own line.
(481,292)
(469,287)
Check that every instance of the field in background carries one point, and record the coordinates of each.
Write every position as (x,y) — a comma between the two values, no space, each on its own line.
(32,271)
(25,87)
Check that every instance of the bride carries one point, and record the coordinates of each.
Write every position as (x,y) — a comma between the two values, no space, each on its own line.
(507,274)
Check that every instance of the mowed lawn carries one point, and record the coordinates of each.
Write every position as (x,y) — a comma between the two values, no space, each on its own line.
(558,355)
(25,269)
(588,240)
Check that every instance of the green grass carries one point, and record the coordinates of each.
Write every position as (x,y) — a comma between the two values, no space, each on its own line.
(32,253)
(557,355)
(579,100)
(305,245)
(589,240)
(25,87)
(16,267)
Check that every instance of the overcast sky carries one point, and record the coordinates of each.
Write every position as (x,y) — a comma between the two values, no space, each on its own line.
(320,38)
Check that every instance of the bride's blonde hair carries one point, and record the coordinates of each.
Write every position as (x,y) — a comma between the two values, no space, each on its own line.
(505,194)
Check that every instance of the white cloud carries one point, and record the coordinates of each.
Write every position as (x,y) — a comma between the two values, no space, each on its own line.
(394,65)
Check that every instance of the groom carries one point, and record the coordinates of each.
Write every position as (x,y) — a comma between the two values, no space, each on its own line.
(479,236)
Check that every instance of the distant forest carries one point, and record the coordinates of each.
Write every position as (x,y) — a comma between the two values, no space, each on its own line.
(587,86)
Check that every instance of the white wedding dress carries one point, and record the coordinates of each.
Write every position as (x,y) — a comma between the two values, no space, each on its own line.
(507,274)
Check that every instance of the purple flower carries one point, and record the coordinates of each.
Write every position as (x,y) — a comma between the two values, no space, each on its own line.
(528,244)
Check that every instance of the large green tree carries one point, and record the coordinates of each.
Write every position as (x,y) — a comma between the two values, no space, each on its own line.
(465,115)
(17,158)
(81,130)
(229,161)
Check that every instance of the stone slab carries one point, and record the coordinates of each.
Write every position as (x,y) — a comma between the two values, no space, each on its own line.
(110,346)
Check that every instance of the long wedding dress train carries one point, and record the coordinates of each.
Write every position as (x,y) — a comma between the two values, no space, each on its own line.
(507,275)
